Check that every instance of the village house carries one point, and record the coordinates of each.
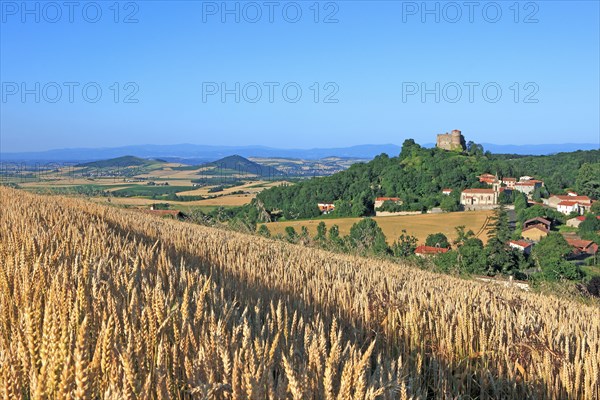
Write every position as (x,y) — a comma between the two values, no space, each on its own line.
(488,178)
(380,200)
(447,192)
(509,182)
(326,208)
(534,233)
(554,199)
(528,187)
(479,199)
(543,222)
(582,247)
(424,251)
(521,245)
(575,222)
(567,207)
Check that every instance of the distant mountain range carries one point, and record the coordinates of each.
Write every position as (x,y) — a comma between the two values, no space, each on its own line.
(202,154)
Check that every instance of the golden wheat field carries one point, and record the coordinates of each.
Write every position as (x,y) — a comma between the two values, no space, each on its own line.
(100,302)
(419,226)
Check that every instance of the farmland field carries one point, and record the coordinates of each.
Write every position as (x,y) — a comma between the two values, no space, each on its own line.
(100,302)
(417,225)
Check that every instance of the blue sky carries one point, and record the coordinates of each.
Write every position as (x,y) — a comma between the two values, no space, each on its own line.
(384,72)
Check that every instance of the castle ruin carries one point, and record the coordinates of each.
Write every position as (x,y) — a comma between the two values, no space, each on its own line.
(451,141)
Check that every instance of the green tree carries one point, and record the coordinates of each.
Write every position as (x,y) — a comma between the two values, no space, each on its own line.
(290,234)
(500,226)
(461,235)
(450,203)
(304,235)
(537,195)
(589,224)
(264,231)
(361,205)
(367,237)
(550,255)
(343,208)
(437,240)
(335,240)
(588,180)
(471,257)
(521,204)
(405,246)
(321,232)
(499,257)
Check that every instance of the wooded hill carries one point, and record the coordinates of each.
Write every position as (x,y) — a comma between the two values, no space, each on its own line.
(417,175)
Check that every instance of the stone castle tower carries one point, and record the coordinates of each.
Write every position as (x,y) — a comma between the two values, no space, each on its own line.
(452,141)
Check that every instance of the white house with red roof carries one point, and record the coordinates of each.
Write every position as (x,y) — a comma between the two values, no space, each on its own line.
(326,208)
(521,245)
(567,204)
(447,192)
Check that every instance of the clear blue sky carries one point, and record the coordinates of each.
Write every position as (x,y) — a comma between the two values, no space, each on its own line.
(376,56)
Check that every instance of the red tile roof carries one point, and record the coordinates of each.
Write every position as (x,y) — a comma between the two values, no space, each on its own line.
(572,198)
(509,179)
(582,218)
(387,198)
(430,250)
(485,191)
(568,203)
(583,246)
(521,243)
(527,183)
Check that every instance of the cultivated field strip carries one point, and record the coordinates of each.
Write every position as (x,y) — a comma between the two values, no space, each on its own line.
(97,302)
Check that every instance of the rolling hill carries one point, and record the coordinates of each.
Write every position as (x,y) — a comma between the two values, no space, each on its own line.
(243,165)
(121,162)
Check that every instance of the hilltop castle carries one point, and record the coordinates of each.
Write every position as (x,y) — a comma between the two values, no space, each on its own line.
(451,141)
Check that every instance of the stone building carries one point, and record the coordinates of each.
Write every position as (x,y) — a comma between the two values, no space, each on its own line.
(479,199)
(451,141)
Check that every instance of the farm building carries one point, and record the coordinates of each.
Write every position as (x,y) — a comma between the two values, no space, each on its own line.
(582,247)
(423,251)
(535,233)
(521,245)
(538,221)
